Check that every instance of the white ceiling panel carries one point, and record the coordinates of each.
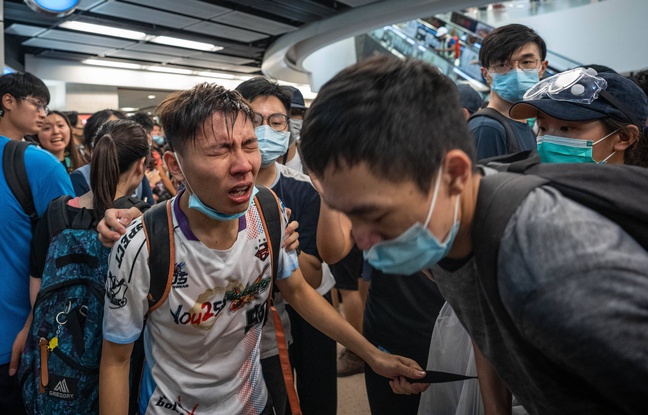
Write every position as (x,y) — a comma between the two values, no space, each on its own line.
(24,30)
(164,50)
(357,3)
(193,8)
(144,14)
(255,23)
(69,46)
(227,32)
(215,57)
(87,39)
(133,54)
(216,65)
(88,4)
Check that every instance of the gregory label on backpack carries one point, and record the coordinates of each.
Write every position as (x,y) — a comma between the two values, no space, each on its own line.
(62,387)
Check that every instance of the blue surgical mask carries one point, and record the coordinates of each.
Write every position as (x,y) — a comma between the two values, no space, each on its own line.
(196,203)
(512,85)
(159,140)
(416,248)
(272,144)
(554,149)
(295,130)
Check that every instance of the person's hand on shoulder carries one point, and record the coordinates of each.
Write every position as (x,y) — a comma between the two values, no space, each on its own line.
(114,223)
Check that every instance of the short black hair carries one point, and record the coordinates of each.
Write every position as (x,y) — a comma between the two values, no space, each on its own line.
(144,120)
(261,87)
(500,44)
(641,78)
(23,84)
(73,116)
(184,114)
(398,117)
(95,121)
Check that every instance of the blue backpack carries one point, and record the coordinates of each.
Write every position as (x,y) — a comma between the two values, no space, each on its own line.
(59,371)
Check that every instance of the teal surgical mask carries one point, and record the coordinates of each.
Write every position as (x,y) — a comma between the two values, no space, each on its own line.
(512,85)
(272,144)
(416,248)
(196,203)
(554,149)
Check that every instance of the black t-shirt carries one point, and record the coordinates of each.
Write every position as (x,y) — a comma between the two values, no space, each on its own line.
(400,313)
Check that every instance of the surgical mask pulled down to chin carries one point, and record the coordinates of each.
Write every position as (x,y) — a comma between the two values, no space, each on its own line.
(554,149)
(197,204)
(416,248)
(512,85)
(272,144)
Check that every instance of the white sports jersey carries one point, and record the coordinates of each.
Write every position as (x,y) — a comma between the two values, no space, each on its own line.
(202,343)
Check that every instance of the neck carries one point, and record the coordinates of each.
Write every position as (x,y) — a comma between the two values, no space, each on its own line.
(123,189)
(8,130)
(499,104)
(267,175)
(60,155)
(214,234)
(462,246)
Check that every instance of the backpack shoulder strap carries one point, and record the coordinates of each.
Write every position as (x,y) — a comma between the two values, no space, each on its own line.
(498,198)
(158,228)
(13,163)
(511,138)
(57,216)
(270,213)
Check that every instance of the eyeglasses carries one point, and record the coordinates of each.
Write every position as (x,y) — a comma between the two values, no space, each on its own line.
(277,122)
(39,106)
(525,64)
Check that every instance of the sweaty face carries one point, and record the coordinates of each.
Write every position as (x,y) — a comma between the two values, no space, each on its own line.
(221,166)
(54,135)
(381,209)
(578,130)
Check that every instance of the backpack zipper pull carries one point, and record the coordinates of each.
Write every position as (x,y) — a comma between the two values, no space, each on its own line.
(44,377)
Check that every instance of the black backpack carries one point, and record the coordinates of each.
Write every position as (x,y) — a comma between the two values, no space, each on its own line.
(512,145)
(13,166)
(614,191)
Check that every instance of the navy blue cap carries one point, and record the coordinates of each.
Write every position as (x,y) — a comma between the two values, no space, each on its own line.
(469,98)
(631,104)
(297,99)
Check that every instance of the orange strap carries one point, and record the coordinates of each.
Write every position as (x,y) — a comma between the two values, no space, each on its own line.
(286,369)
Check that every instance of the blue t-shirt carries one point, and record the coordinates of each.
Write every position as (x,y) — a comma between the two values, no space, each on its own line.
(48,180)
(298,194)
(490,136)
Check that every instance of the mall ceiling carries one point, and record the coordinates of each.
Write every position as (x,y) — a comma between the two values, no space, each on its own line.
(236,33)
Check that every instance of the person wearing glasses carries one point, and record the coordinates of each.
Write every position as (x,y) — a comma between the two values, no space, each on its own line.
(24,99)
(313,354)
(513,60)
(587,117)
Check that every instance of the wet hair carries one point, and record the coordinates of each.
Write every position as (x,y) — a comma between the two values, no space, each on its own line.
(23,84)
(119,145)
(71,150)
(93,124)
(500,44)
(185,114)
(263,87)
(398,117)
(144,120)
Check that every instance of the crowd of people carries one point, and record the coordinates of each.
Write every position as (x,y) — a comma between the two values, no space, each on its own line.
(390,181)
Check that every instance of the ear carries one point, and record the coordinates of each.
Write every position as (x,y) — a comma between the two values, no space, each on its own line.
(626,137)
(486,75)
(543,68)
(466,113)
(8,102)
(457,167)
(140,167)
(173,166)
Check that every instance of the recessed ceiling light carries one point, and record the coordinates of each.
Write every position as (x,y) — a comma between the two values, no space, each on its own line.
(183,43)
(111,64)
(128,109)
(151,97)
(168,69)
(103,30)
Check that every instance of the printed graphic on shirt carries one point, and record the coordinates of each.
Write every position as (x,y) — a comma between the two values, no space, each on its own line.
(180,276)
(238,298)
(262,250)
(175,406)
(116,291)
(125,241)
